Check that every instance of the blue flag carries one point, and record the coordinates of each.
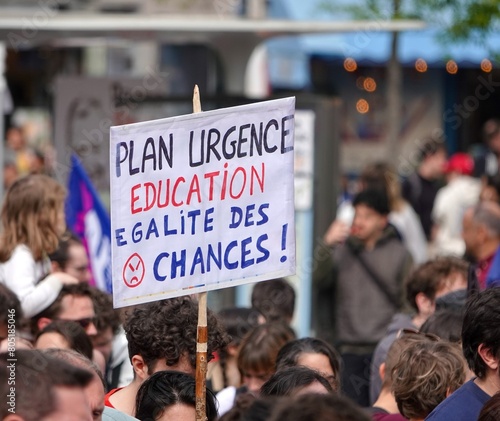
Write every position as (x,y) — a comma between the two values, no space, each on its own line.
(89,220)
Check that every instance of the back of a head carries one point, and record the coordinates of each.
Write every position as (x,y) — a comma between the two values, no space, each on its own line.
(425,374)
(30,215)
(447,324)
(318,408)
(259,349)
(275,299)
(10,308)
(289,354)
(238,321)
(290,381)
(167,330)
(36,375)
(165,389)
(481,325)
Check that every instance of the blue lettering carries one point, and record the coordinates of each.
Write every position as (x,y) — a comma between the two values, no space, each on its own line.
(244,252)
(119,237)
(263,250)
(159,277)
(227,263)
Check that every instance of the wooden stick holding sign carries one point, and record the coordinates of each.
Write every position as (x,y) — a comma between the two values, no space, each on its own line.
(202,333)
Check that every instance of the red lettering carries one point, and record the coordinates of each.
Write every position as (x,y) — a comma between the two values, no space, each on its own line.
(194,188)
(134,198)
(150,204)
(174,191)
(260,180)
(237,196)
(211,176)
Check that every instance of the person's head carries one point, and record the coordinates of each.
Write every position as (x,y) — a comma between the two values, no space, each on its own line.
(71,258)
(258,352)
(381,176)
(425,374)
(318,407)
(162,336)
(94,391)
(491,409)
(10,311)
(15,138)
(481,229)
(74,303)
(434,279)
(403,341)
(64,334)
(481,333)
(107,322)
(370,218)
(170,395)
(491,134)
(46,389)
(490,189)
(431,157)
(295,381)
(10,173)
(447,324)
(312,353)
(275,299)
(32,214)
(459,164)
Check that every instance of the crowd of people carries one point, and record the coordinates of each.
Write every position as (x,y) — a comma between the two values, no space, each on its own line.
(407,315)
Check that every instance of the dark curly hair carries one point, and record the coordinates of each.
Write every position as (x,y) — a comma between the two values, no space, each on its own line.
(167,329)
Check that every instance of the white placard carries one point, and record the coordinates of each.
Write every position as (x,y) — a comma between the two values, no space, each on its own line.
(202,201)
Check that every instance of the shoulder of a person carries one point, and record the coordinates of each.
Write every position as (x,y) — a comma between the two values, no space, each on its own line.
(111,414)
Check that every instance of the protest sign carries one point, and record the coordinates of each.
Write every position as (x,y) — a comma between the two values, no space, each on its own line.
(202,201)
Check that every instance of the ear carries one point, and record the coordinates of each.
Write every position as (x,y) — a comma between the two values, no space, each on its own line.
(381,372)
(140,367)
(232,350)
(42,322)
(55,267)
(487,356)
(424,304)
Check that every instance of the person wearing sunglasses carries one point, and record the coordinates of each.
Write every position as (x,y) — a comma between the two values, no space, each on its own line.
(74,303)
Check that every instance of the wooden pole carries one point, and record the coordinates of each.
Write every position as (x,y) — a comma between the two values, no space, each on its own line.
(202,333)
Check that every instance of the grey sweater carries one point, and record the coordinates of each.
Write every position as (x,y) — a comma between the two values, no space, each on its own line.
(363,311)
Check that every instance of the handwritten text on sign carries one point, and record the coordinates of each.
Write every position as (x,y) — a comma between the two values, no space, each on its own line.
(202,201)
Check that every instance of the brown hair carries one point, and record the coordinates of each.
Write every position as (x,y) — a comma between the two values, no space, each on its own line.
(431,276)
(425,374)
(381,176)
(37,377)
(260,347)
(30,214)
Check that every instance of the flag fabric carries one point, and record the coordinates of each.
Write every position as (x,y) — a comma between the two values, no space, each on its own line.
(87,217)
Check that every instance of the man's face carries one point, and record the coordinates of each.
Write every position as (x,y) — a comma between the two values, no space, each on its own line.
(71,405)
(79,308)
(367,223)
(78,263)
(437,163)
(103,342)
(95,397)
(470,234)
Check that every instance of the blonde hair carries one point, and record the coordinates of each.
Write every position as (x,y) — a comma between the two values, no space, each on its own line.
(30,216)
(425,374)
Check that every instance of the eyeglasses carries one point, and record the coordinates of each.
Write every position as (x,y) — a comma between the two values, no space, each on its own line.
(418,334)
(84,323)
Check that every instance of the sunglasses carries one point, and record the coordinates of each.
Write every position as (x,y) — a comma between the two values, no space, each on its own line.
(418,334)
(84,323)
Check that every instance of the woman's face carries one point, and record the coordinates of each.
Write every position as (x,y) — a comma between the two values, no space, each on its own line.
(319,363)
